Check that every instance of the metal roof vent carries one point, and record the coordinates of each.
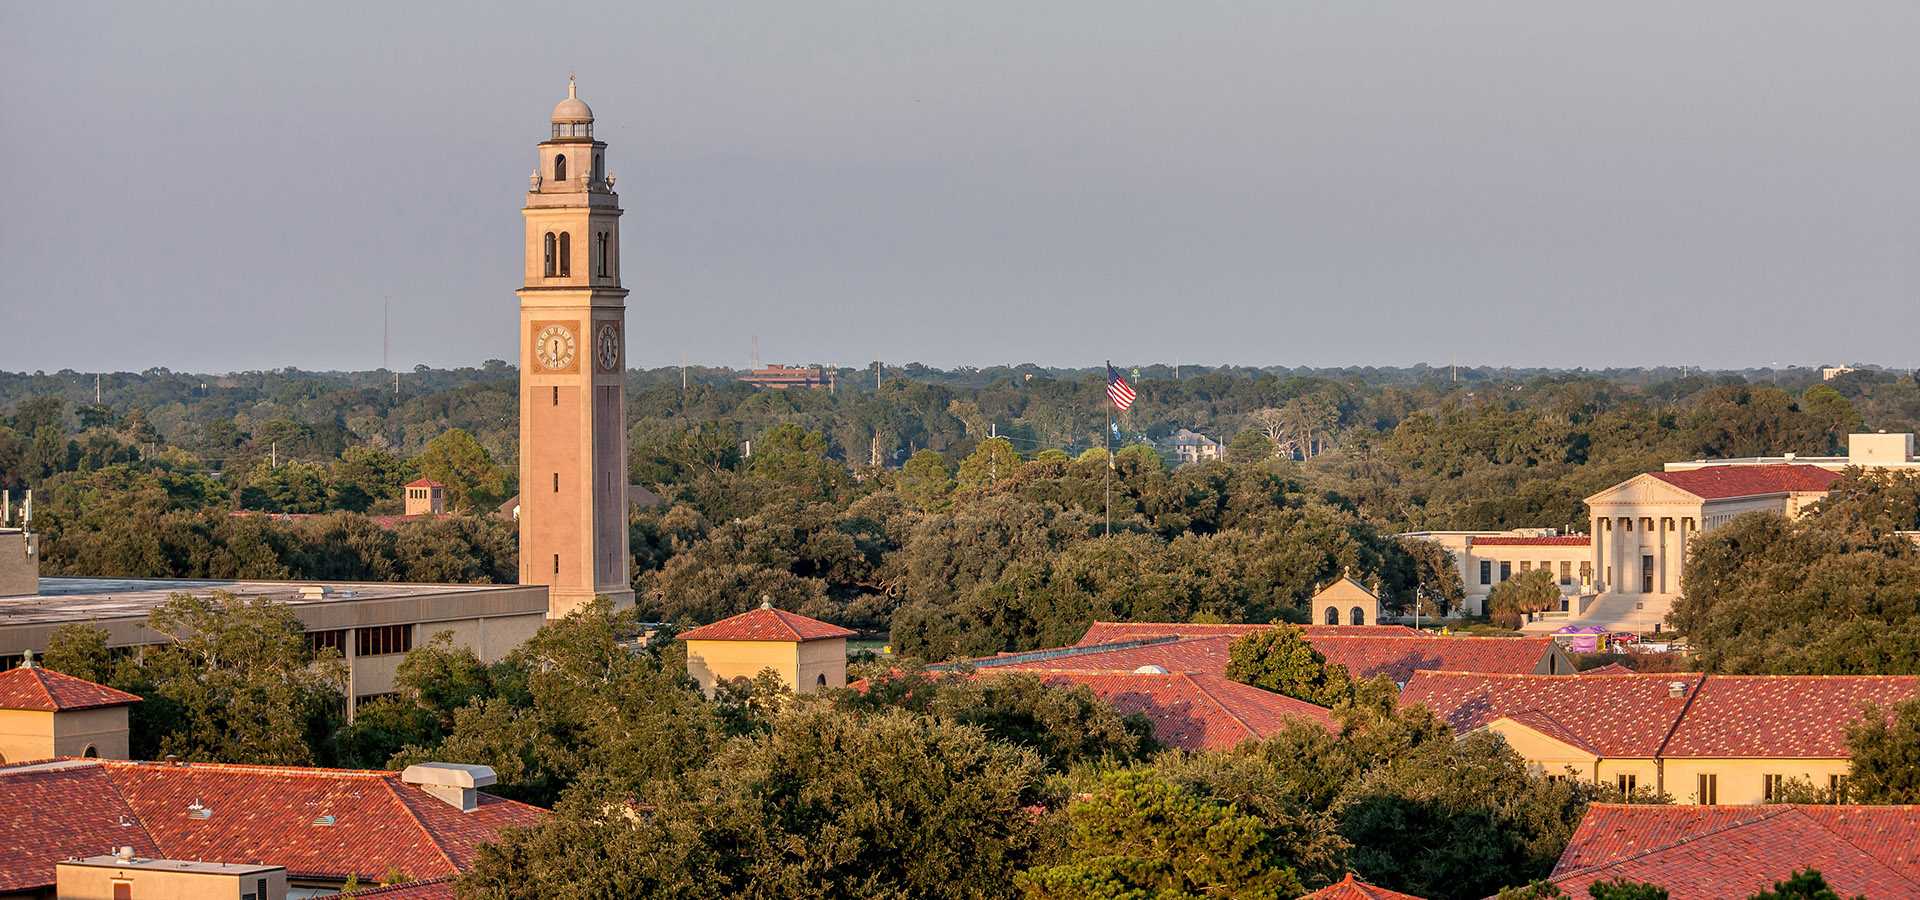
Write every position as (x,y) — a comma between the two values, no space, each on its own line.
(454,784)
(1676,689)
(123,854)
(196,810)
(1150,669)
(323,821)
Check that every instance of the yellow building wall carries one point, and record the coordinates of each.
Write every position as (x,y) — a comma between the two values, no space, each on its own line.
(1645,772)
(1739,782)
(822,658)
(711,661)
(25,734)
(96,883)
(1743,781)
(1544,754)
(104,730)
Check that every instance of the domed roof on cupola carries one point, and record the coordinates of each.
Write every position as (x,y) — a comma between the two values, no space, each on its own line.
(572,110)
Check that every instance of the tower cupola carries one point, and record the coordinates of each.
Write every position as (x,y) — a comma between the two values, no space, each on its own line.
(572,118)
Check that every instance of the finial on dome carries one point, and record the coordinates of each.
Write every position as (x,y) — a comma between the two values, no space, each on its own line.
(571,95)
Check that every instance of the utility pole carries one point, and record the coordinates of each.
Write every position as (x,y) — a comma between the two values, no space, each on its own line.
(396,384)
(273,455)
(96,389)
(876,375)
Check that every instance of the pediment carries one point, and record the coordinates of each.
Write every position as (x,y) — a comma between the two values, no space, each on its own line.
(1643,489)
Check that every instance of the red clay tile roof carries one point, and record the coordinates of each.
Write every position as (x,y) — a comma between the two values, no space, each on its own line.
(1563,540)
(766,625)
(1710,852)
(1364,656)
(1207,655)
(424,482)
(1399,657)
(40,688)
(427,889)
(1195,711)
(1781,716)
(1351,888)
(1111,632)
(258,814)
(1612,668)
(1611,716)
(1720,482)
(1636,715)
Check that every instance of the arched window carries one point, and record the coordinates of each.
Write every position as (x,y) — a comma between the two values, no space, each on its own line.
(90,752)
(566,254)
(552,259)
(560,167)
(601,252)
(599,168)
(1357,616)
(1333,616)
(821,680)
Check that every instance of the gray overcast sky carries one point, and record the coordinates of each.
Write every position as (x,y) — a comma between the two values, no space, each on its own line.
(231,186)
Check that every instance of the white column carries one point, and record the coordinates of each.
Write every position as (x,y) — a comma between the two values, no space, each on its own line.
(1593,550)
(1659,554)
(1623,544)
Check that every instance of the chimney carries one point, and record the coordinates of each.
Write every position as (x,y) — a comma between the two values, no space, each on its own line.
(1676,689)
(454,784)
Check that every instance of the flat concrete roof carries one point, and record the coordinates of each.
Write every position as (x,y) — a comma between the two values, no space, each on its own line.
(86,599)
(172,865)
(122,605)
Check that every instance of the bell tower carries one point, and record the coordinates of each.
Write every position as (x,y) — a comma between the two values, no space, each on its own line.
(573,436)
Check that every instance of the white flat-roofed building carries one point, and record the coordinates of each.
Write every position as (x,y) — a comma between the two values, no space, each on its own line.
(1866,450)
(371,624)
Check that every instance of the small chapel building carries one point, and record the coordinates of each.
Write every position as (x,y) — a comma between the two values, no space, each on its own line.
(1346,602)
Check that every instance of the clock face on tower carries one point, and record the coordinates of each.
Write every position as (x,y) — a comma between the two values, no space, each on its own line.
(555,347)
(606,347)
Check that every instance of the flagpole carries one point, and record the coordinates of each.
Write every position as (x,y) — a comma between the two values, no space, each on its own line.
(1109,393)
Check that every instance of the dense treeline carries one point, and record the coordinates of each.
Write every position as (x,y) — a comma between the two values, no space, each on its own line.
(1833,592)
(960,542)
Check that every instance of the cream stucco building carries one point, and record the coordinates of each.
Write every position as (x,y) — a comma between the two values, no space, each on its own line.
(44,714)
(124,876)
(807,654)
(1484,559)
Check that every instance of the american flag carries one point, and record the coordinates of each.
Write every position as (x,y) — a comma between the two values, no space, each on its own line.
(1118,390)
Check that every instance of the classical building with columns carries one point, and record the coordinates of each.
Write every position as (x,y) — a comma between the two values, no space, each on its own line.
(1640,529)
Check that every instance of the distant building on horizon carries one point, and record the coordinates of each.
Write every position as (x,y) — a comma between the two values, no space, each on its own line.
(779,377)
